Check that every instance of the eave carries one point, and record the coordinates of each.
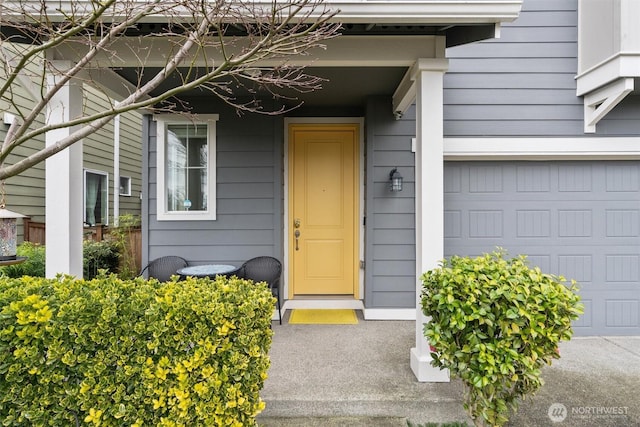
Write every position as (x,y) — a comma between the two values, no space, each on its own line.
(370,12)
(606,84)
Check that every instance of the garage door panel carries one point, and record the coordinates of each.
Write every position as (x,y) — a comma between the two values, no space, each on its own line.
(618,310)
(580,220)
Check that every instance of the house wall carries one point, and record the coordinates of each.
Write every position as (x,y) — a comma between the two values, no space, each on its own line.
(131,161)
(519,86)
(249,196)
(390,217)
(522,84)
(24,192)
(98,153)
(250,200)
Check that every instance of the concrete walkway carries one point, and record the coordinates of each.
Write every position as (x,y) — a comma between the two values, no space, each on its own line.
(359,375)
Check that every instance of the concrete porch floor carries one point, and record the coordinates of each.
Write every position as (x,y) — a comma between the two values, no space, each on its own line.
(359,375)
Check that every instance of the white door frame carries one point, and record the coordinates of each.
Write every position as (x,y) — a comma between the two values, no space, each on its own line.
(322,303)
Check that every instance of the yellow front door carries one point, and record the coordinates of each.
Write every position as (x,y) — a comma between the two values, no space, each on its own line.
(323,209)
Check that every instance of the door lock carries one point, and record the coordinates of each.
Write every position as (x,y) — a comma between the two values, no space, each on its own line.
(297,235)
(296,223)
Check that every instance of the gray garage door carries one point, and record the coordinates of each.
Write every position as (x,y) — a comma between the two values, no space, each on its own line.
(577,219)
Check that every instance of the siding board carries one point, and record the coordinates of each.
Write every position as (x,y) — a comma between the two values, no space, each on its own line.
(393,299)
(488,112)
(558,80)
(513,97)
(505,65)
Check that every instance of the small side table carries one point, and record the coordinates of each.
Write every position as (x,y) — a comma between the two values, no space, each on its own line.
(207,270)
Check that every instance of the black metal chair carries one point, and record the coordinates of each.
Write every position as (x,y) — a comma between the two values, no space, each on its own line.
(264,269)
(164,267)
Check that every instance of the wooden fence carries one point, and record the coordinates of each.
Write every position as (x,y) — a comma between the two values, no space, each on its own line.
(34,232)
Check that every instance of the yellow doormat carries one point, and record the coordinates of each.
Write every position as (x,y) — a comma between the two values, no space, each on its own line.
(323,317)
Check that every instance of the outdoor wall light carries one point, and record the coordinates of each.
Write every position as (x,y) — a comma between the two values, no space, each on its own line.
(8,231)
(395,180)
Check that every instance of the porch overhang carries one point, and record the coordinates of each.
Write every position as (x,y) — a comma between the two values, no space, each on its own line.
(370,12)
(375,33)
(460,21)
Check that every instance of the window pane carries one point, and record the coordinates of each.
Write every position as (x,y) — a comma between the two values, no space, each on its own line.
(186,173)
(96,195)
(125,186)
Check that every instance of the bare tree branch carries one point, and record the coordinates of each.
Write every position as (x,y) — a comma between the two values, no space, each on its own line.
(89,33)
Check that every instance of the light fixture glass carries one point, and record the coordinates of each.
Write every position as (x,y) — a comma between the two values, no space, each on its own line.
(395,180)
(8,234)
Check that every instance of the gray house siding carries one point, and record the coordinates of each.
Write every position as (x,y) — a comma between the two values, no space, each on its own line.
(390,217)
(523,84)
(24,192)
(249,197)
(98,153)
(130,161)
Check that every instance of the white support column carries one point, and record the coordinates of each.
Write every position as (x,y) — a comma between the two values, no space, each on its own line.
(429,172)
(116,170)
(64,183)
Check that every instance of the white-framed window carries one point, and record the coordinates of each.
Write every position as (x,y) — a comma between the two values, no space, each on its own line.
(96,197)
(125,186)
(186,169)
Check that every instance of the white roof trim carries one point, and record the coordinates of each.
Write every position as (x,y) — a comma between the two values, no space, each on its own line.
(426,12)
(370,11)
(577,148)
(622,64)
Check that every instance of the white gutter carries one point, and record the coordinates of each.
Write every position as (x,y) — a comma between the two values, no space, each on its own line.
(350,11)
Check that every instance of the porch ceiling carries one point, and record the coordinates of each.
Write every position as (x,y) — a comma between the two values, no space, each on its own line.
(343,86)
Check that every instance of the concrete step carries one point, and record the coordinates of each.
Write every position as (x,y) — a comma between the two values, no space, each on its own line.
(332,422)
(354,410)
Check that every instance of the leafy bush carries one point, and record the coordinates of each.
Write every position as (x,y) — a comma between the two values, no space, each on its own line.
(494,323)
(98,256)
(133,353)
(33,266)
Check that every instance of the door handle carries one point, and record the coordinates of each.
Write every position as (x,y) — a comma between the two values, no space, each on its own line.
(297,235)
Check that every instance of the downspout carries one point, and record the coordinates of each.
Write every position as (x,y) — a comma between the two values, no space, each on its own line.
(116,170)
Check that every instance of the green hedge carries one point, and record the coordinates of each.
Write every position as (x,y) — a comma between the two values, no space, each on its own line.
(109,352)
(103,255)
(34,264)
(97,256)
